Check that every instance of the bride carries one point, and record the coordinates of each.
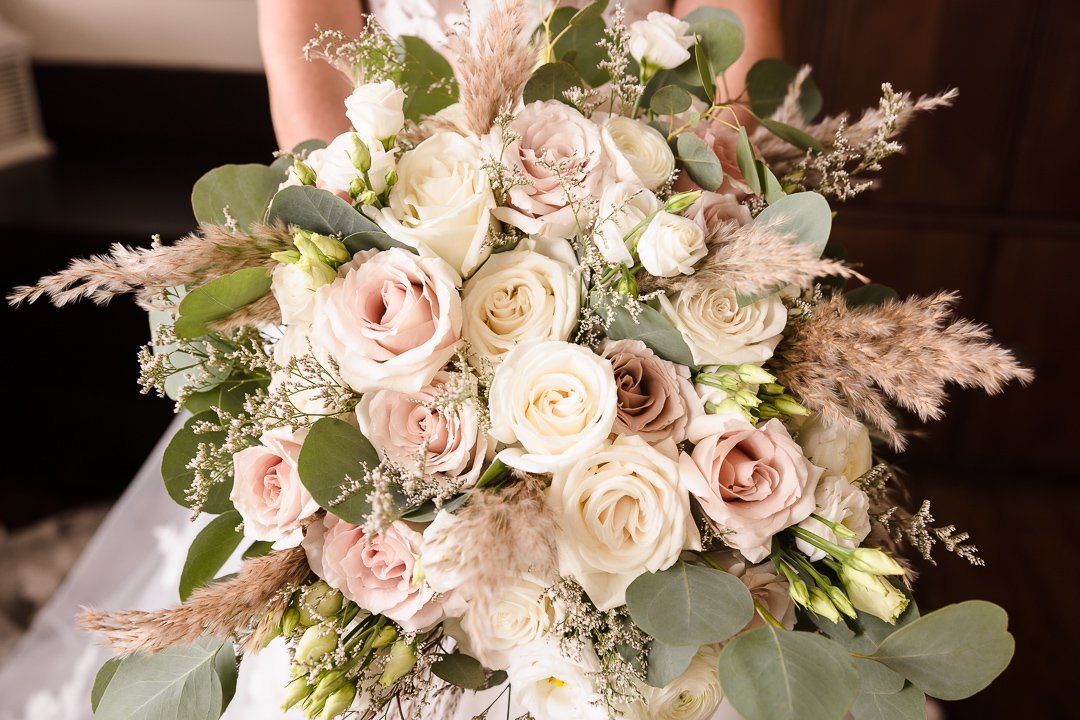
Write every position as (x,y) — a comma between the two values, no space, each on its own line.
(50,675)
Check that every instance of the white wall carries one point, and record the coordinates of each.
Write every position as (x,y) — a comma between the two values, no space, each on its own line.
(210,34)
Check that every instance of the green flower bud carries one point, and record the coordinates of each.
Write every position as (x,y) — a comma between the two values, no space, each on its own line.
(295,691)
(873,561)
(401,661)
(680,201)
(318,602)
(359,154)
(771,388)
(386,636)
(304,173)
(320,273)
(799,593)
(840,600)
(728,405)
(747,398)
(418,574)
(821,605)
(789,405)
(873,594)
(317,641)
(391,178)
(357,186)
(751,373)
(289,620)
(329,682)
(339,702)
(627,285)
(767,411)
(331,249)
(287,257)
(368,197)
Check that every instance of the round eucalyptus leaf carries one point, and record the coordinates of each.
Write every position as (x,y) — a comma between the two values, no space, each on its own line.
(550,81)
(667,662)
(907,704)
(318,210)
(768,82)
(578,44)
(220,298)
(460,669)
(209,551)
(670,100)
(427,78)
(245,189)
(699,160)
(722,41)
(178,477)
(332,461)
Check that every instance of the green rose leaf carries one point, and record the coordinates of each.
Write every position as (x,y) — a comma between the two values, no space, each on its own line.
(651,328)
(767,83)
(211,548)
(245,189)
(744,156)
(771,674)
(792,135)
(369,240)
(908,704)
(578,44)
(951,653)
(428,80)
(101,681)
(689,605)
(699,160)
(193,682)
(178,476)
(220,298)
(670,100)
(333,451)
(721,39)
(318,210)
(549,81)
(460,669)
(667,662)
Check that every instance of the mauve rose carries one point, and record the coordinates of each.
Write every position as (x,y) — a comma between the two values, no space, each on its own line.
(723,141)
(267,490)
(656,399)
(711,210)
(391,320)
(374,572)
(407,429)
(751,482)
(770,589)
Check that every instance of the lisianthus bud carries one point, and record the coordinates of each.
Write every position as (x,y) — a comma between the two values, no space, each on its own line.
(368,197)
(754,374)
(286,257)
(318,603)
(771,388)
(798,591)
(295,691)
(873,594)
(332,249)
(789,406)
(841,601)
(304,173)
(338,702)
(359,154)
(680,201)
(627,285)
(329,683)
(289,620)
(401,661)
(386,636)
(317,641)
(874,561)
(822,605)
(747,398)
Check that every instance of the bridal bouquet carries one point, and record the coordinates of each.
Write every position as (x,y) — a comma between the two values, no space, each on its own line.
(544,376)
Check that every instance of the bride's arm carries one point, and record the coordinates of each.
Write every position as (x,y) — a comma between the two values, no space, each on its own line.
(305,97)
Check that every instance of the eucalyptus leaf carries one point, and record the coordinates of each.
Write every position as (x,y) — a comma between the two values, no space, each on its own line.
(907,704)
(772,674)
(460,669)
(721,39)
(373,240)
(687,604)
(428,79)
(699,160)
(579,44)
(590,13)
(667,662)
(101,681)
(259,548)
(319,211)
(284,162)
(877,679)
(792,135)
(707,12)
(767,84)
(427,511)
(550,81)
(245,189)
(651,328)
(178,477)
(228,395)
(333,451)
(770,186)
(211,548)
(670,100)
(872,294)
(183,682)
(744,156)
(220,298)
(704,70)
(197,373)
(951,653)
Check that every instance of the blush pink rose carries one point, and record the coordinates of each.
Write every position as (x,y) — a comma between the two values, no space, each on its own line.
(391,320)
(656,399)
(267,491)
(552,135)
(723,141)
(408,430)
(712,210)
(377,572)
(752,482)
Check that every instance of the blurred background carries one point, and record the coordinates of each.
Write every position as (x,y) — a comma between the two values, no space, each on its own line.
(111,109)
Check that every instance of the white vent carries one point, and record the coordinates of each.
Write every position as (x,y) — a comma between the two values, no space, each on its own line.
(21,138)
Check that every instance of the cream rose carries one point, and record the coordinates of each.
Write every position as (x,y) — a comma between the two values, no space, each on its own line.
(671,245)
(523,613)
(656,399)
(377,572)
(712,210)
(558,151)
(409,430)
(519,295)
(719,332)
(838,500)
(550,685)
(660,41)
(842,448)
(638,152)
(375,110)
(623,206)
(294,289)
(391,320)
(267,491)
(694,695)
(751,482)
(622,511)
(442,201)
(557,399)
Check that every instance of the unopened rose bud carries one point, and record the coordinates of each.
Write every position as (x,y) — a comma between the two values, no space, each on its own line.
(401,661)
(822,605)
(304,173)
(755,374)
(289,620)
(338,702)
(680,201)
(295,691)
(359,154)
(873,594)
(317,641)
(386,636)
(873,561)
(318,602)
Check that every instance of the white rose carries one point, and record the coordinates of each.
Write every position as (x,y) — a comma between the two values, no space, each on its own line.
(622,512)
(694,695)
(523,613)
(719,332)
(842,448)
(557,399)
(375,110)
(660,41)
(843,503)
(639,153)
(671,245)
(442,202)
(623,206)
(335,171)
(549,685)
(519,295)
(294,289)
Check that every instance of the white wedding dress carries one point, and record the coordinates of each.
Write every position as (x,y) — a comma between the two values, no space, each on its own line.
(134,560)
